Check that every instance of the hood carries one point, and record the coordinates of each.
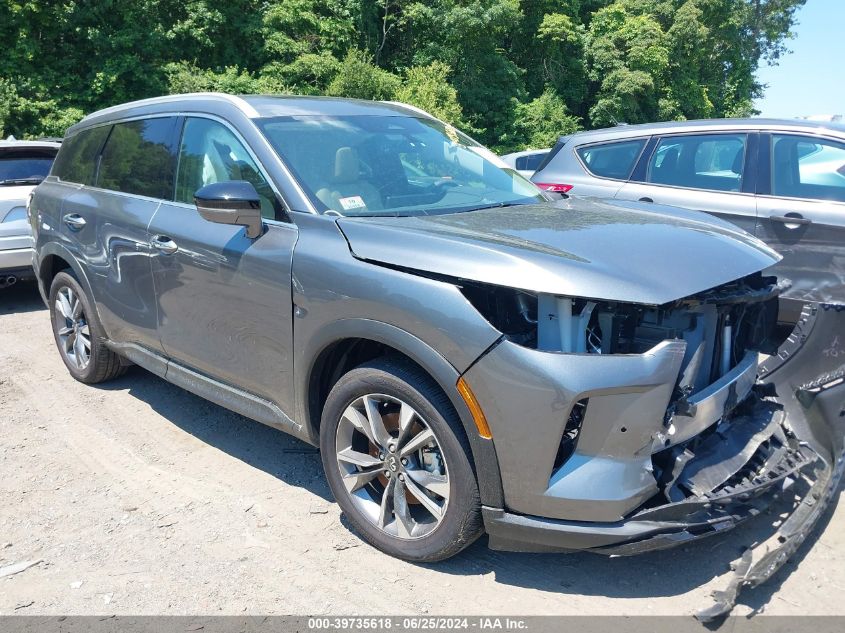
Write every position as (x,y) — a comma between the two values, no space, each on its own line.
(576,248)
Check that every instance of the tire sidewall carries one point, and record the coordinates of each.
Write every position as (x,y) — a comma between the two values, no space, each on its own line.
(67,279)
(452,534)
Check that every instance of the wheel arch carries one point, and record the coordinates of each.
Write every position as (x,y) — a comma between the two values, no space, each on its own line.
(351,342)
(52,259)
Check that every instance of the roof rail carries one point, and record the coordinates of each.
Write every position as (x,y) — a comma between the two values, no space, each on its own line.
(235,100)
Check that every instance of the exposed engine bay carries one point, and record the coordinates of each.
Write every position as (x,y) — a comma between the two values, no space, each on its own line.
(725,321)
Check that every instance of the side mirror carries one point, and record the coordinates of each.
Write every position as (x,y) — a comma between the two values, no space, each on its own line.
(234,202)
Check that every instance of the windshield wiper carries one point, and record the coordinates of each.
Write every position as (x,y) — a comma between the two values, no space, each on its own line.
(20,181)
(500,205)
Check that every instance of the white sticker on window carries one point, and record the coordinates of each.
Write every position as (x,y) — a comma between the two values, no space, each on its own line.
(352,202)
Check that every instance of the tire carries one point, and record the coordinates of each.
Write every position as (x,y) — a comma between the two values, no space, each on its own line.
(78,334)
(394,490)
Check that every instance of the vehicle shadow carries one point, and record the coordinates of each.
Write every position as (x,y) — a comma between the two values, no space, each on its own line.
(20,298)
(276,453)
(651,575)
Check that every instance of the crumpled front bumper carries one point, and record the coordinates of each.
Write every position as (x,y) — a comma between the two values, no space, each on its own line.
(603,498)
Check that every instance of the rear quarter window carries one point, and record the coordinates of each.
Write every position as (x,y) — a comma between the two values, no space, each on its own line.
(76,161)
(139,158)
(530,162)
(612,160)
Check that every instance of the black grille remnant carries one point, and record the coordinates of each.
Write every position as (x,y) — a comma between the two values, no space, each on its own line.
(570,433)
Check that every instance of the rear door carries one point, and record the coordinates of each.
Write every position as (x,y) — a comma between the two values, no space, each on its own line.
(711,172)
(224,300)
(75,170)
(108,223)
(802,212)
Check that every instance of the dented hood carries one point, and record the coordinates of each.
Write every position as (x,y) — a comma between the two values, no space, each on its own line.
(576,247)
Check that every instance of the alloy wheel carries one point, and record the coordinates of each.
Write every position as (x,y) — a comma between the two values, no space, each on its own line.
(72,328)
(392,466)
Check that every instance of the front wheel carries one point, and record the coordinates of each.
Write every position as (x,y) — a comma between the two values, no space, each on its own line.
(397,461)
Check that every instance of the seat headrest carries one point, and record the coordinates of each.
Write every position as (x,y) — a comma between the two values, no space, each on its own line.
(346,167)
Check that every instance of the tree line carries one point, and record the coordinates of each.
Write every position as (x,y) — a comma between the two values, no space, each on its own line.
(513,73)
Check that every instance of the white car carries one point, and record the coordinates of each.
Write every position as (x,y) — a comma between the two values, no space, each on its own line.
(527,162)
(23,164)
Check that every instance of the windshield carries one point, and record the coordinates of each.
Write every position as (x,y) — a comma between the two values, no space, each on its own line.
(24,170)
(393,165)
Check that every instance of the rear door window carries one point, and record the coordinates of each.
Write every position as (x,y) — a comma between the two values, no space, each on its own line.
(77,159)
(612,160)
(809,168)
(699,161)
(139,159)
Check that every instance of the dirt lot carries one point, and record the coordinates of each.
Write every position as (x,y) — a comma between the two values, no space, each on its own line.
(139,498)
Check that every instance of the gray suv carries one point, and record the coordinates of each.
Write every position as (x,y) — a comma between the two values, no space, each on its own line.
(781,180)
(468,355)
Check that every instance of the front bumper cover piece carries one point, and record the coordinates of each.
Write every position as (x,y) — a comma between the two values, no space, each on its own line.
(785,442)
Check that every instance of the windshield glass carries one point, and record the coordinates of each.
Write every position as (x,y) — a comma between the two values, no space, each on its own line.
(393,165)
(29,169)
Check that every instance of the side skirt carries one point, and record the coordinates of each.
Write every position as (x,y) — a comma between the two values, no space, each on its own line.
(223,394)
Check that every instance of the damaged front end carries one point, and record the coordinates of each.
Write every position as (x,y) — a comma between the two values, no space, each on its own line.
(650,426)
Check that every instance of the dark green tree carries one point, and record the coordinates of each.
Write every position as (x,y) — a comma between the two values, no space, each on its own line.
(510,71)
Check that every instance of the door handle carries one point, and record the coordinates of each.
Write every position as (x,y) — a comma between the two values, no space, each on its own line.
(164,244)
(646,200)
(796,219)
(74,221)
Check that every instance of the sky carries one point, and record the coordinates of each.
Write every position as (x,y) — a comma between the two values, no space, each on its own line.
(809,80)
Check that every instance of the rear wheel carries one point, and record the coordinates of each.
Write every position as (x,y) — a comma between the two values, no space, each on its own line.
(397,461)
(78,334)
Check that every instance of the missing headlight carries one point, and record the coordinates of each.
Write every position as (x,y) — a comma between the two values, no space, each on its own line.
(512,312)
(719,325)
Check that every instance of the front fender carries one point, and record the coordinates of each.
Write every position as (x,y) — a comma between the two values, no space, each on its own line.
(446,376)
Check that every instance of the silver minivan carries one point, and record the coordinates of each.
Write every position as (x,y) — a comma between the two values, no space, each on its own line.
(783,181)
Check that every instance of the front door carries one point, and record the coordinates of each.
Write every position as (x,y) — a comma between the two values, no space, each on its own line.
(224,300)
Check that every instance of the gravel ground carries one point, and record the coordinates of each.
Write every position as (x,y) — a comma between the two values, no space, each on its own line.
(136,497)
